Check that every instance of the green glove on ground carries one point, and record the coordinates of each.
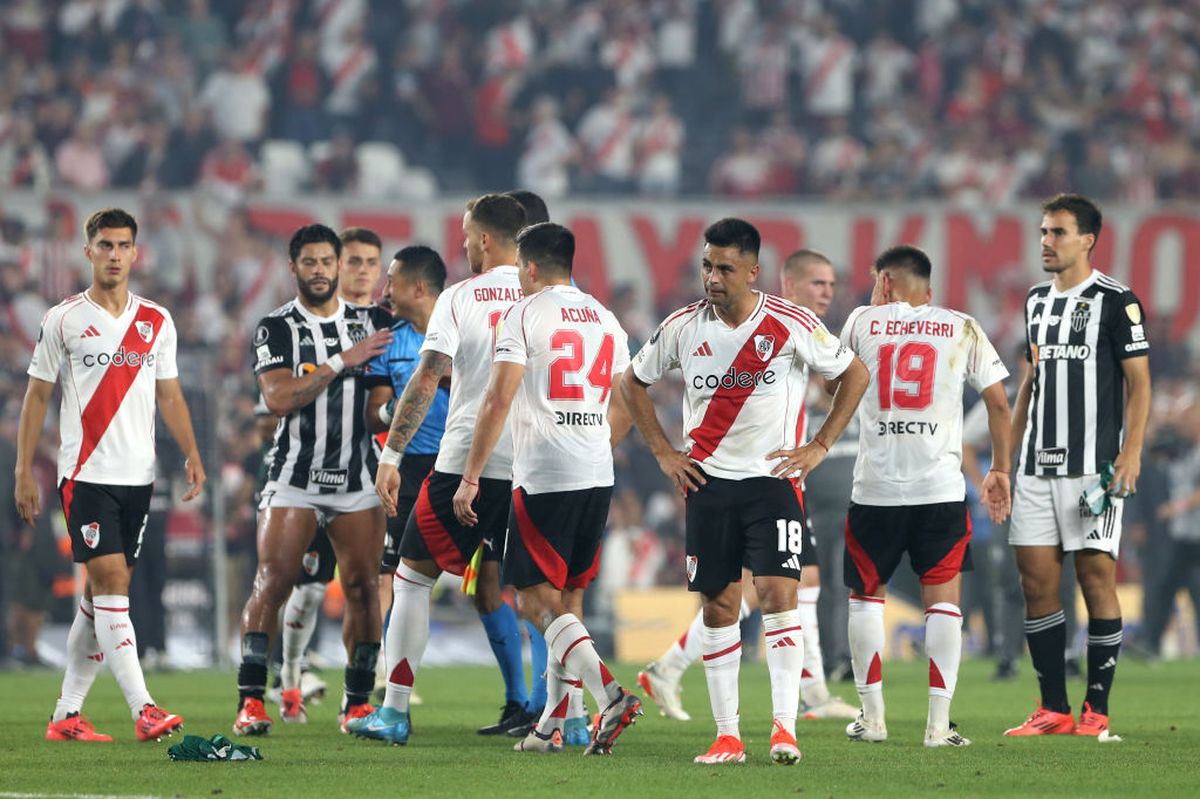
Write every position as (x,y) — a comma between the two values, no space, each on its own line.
(195,748)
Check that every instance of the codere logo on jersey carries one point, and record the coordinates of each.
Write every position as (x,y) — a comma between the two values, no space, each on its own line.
(734,378)
(119,358)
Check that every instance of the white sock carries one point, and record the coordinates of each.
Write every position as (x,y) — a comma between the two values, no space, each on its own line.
(722,662)
(812,676)
(570,644)
(558,697)
(866,653)
(118,642)
(684,652)
(577,709)
(84,661)
(299,622)
(785,661)
(943,646)
(408,634)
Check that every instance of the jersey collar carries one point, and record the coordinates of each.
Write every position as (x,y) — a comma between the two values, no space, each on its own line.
(758,309)
(312,317)
(1076,289)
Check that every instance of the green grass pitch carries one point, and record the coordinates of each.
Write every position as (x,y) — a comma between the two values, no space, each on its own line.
(1155,711)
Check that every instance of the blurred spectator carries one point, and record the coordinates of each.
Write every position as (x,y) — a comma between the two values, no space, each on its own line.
(829,60)
(659,149)
(744,171)
(549,151)
(228,171)
(80,162)
(237,99)
(202,33)
(23,160)
(300,85)
(607,135)
(337,169)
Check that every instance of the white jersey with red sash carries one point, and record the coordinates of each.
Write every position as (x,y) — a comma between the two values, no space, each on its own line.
(108,368)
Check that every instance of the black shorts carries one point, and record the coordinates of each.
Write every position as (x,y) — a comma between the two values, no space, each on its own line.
(319,563)
(434,533)
(757,522)
(105,519)
(936,537)
(556,537)
(413,471)
(808,555)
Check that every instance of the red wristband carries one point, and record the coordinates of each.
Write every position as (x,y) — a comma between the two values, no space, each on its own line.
(822,443)
(470,482)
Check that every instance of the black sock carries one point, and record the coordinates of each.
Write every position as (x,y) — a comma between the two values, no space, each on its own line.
(1103,647)
(252,674)
(360,673)
(1047,639)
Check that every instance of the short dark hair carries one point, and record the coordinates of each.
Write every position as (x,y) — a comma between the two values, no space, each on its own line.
(418,262)
(805,256)
(109,218)
(1087,214)
(313,234)
(498,214)
(535,207)
(734,232)
(907,257)
(363,236)
(548,245)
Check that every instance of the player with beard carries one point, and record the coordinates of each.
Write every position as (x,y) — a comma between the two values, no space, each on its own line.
(308,356)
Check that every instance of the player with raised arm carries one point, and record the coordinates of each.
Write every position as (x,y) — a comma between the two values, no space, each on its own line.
(309,356)
(739,350)
(1081,414)
(909,494)
(462,333)
(808,280)
(115,353)
(559,356)
(357,281)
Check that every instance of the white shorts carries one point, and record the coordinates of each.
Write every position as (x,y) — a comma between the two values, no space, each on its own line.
(327,506)
(1045,512)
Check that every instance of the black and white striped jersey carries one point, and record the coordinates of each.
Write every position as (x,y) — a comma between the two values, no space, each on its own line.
(1076,341)
(324,447)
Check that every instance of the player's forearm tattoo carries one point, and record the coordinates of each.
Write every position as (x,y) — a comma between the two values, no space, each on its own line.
(303,394)
(416,399)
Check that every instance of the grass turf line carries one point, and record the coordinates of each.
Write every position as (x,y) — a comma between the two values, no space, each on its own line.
(1154,713)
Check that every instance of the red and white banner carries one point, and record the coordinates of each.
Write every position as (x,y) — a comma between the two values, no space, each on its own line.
(980,257)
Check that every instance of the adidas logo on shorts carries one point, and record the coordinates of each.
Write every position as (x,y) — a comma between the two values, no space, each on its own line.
(792,563)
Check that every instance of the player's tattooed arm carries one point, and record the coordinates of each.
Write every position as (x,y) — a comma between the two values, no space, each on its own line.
(285,393)
(417,397)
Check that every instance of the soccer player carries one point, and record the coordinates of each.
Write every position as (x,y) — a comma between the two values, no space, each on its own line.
(462,331)
(909,494)
(739,350)
(808,280)
(115,352)
(416,278)
(1080,455)
(357,281)
(559,356)
(535,207)
(308,356)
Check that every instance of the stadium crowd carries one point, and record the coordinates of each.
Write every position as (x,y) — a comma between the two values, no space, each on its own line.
(961,101)
(965,100)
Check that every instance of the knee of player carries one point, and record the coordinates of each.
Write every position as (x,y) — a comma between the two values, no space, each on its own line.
(273,582)
(1038,587)
(1096,584)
